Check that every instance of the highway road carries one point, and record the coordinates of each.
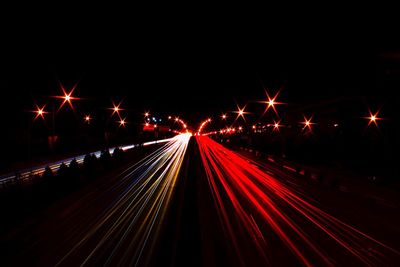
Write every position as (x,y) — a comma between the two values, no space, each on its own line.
(193,202)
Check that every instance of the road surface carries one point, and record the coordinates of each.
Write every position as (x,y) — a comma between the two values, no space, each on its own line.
(193,202)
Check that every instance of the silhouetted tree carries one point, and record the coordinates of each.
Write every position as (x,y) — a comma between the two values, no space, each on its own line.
(74,167)
(62,171)
(105,158)
(94,159)
(89,164)
(74,171)
(87,161)
(118,154)
(48,173)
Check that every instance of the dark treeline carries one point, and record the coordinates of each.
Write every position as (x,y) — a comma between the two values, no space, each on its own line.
(367,154)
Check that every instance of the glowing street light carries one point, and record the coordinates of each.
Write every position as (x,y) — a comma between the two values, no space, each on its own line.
(122,122)
(67,96)
(241,112)
(116,109)
(40,112)
(203,124)
(87,119)
(223,116)
(307,123)
(271,102)
(146,114)
(373,118)
(277,125)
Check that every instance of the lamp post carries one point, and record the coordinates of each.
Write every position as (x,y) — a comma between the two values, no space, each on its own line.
(67,97)
(116,109)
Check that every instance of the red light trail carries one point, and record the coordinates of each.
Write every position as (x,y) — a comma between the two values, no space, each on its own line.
(261,201)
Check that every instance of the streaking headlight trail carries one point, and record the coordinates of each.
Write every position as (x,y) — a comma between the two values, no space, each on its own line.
(127,229)
(265,209)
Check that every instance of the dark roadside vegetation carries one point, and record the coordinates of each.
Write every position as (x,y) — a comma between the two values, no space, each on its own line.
(329,157)
(27,198)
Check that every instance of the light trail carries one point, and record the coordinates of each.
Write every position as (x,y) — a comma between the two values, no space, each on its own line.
(27,174)
(127,230)
(261,202)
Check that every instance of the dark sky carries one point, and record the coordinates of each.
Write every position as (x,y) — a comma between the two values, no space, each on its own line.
(188,63)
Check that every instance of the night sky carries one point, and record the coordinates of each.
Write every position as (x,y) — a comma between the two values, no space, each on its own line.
(192,64)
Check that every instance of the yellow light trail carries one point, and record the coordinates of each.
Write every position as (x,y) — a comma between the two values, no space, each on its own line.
(130,225)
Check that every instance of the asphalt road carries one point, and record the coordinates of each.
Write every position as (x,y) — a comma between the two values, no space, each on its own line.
(168,210)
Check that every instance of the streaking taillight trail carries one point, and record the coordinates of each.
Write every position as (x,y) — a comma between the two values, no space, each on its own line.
(260,200)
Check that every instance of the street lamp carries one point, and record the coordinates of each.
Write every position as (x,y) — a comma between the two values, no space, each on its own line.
(122,122)
(373,118)
(67,97)
(307,123)
(40,112)
(202,125)
(241,112)
(271,102)
(87,119)
(276,126)
(116,109)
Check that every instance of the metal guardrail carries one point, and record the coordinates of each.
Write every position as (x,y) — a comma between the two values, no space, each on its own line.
(29,173)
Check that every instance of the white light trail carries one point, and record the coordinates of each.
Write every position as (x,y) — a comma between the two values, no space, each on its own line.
(129,226)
